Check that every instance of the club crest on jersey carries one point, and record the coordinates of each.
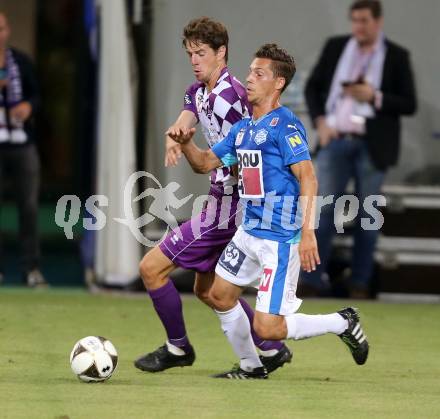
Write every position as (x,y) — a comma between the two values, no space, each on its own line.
(260,136)
(250,174)
(274,122)
(239,137)
(296,143)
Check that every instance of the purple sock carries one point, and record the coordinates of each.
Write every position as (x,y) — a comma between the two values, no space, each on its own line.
(264,345)
(168,306)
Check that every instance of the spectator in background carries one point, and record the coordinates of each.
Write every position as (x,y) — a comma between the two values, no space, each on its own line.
(356,94)
(19,160)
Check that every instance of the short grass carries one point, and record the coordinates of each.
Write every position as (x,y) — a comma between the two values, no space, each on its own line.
(38,329)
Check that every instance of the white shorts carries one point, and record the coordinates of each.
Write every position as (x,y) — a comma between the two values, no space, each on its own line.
(270,266)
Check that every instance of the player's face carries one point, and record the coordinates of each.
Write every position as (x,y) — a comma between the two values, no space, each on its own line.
(4,31)
(261,82)
(365,27)
(204,60)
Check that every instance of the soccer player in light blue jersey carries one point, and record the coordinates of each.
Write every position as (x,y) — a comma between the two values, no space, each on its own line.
(216,100)
(277,235)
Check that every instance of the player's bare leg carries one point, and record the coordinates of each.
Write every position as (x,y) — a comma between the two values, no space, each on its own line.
(177,351)
(202,285)
(155,268)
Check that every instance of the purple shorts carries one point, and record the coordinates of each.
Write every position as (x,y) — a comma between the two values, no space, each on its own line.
(198,243)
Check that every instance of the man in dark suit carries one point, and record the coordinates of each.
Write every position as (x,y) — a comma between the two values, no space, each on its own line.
(356,94)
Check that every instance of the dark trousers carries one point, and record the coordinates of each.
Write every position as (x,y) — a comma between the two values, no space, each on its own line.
(20,169)
(337,163)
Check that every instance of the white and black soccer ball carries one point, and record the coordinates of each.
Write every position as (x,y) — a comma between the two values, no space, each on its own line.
(93,359)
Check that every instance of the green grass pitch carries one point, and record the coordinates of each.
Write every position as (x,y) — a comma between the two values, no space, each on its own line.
(38,329)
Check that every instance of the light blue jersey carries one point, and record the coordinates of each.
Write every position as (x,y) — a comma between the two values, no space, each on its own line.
(264,150)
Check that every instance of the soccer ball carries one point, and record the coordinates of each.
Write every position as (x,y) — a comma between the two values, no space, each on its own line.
(93,359)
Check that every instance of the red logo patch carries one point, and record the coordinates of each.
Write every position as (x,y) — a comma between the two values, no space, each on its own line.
(250,174)
(251,181)
(274,122)
(265,280)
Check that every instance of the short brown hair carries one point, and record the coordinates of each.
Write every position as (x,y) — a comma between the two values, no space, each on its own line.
(283,64)
(207,31)
(374,6)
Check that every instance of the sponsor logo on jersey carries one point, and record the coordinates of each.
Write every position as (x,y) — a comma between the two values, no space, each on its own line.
(260,136)
(232,258)
(296,143)
(250,174)
(202,105)
(274,122)
(239,137)
(294,139)
(199,102)
(174,239)
(265,280)
(187,99)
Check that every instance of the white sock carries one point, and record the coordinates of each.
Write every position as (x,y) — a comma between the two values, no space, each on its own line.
(175,350)
(303,326)
(235,325)
(269,352)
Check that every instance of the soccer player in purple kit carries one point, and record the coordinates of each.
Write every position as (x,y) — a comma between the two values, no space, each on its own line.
(217,100)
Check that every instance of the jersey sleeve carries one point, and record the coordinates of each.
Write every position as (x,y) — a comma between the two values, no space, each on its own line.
(225,149)
(292,142)
(189,100)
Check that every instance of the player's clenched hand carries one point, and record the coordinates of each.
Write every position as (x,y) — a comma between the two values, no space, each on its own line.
(308,251)
(180,135)
(173,152)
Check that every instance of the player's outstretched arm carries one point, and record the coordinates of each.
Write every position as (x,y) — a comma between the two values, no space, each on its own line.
(308,247)
(173,150)
(201,161)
